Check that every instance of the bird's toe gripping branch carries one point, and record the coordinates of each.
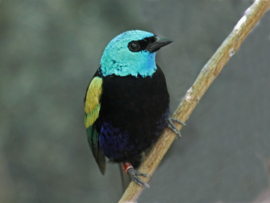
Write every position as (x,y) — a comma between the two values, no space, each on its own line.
(172,126)
(128,168)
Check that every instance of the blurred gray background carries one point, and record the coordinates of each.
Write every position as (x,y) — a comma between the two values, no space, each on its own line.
(49,50)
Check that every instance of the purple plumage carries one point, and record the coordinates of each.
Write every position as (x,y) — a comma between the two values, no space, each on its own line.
(116,144)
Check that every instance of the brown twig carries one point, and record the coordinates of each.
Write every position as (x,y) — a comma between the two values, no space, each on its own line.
(206,77)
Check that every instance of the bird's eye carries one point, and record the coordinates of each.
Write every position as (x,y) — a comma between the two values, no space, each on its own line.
(134,46)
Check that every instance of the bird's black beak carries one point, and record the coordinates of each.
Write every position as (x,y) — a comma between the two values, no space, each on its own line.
(158,43)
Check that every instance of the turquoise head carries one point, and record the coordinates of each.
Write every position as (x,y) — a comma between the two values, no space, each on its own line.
(132,53)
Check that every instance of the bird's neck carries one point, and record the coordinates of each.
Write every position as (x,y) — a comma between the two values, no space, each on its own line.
(141,67)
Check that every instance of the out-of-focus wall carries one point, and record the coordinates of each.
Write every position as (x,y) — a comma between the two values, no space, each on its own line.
(49,51)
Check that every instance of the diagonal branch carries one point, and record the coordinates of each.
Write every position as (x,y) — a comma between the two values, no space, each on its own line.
(206,77)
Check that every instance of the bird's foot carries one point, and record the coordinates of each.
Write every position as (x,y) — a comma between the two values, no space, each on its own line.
(172,126)
(128,168)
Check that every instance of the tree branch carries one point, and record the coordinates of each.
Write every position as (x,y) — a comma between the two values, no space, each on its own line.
(206,77)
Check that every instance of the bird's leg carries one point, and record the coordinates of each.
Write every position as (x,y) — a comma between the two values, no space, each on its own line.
(128,168)
(172,126)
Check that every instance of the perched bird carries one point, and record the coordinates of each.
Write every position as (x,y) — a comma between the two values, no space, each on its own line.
(127,101)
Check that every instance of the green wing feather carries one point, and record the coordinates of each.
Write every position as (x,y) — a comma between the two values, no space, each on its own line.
(92,108)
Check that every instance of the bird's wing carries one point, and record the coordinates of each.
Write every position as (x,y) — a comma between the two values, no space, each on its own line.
(91,108)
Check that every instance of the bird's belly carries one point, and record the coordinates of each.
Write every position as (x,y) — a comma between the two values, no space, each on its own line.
(121,145)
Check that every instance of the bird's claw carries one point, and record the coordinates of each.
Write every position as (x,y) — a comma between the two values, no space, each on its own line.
(134,176)
(177,121)
(172,126)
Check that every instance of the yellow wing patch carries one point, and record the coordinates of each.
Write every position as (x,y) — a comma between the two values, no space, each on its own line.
(92,105)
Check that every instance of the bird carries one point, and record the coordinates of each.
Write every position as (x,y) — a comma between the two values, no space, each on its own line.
(127,103)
